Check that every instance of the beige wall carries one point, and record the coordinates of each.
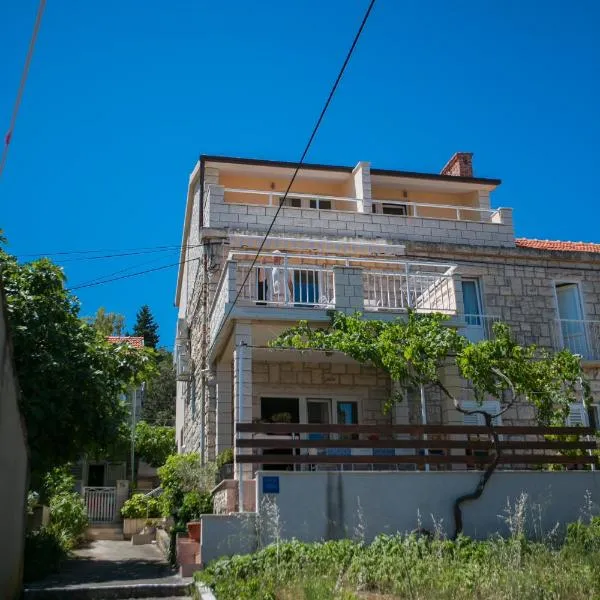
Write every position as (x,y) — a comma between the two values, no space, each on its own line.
(13,471)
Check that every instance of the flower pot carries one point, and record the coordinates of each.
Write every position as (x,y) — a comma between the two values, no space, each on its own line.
(194,528)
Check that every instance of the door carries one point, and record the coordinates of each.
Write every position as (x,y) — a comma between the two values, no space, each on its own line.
(95,475)
(570,314)
(279,410)
(474,330)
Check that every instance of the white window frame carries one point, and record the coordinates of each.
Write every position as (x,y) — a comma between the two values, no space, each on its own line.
(577,284)
(333,400)
(485,405)
(478,292)
(305,202)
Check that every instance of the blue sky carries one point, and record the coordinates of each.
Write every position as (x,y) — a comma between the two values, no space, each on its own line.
(123,96)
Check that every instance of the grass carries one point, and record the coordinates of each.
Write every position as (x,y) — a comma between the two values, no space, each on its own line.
(413,568)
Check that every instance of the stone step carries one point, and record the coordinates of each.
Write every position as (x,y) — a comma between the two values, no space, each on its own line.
(147,591)
(104,532)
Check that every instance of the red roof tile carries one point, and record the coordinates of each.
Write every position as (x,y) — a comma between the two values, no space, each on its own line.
(557,245)
(134,342)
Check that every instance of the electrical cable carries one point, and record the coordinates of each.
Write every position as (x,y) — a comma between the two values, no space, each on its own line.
(299,164)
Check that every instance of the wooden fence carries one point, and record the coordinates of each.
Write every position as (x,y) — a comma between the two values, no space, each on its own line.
(294,444)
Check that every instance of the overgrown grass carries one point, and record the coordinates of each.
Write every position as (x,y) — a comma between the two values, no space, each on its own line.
(417,568)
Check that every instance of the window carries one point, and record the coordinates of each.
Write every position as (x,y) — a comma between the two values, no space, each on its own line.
(292,202)
(489,406)
(320,204)
(472,301)
(394,209)
(570,314)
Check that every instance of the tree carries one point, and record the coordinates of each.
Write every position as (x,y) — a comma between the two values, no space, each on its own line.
(71,378)
(146,327)
(159,398)
(413,351)
(154,443)
(107,323)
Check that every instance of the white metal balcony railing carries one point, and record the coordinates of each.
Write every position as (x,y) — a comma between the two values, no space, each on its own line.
(349,204)
(288,286)
(424,292)
(579,336)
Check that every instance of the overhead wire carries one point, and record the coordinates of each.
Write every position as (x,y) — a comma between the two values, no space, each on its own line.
(300,163)
(21,90)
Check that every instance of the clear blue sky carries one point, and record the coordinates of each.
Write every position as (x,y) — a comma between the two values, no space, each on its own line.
(123,96)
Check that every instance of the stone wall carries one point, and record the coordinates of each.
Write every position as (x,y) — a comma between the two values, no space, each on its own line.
(249,218)
(368,385)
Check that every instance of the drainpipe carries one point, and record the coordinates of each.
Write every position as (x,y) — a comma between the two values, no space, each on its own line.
(240,380)
(424,420)
(133,416)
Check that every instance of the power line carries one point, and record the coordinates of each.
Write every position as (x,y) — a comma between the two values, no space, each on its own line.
(120,252)
(128,276)
(13,120)
(300,162)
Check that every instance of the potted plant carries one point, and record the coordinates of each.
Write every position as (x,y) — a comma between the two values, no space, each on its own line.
(194,505)
(137,511)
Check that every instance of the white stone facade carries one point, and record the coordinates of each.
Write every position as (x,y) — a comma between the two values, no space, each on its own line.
(229,328)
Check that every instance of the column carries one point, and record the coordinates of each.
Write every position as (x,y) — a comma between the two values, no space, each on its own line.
(242,385)
(224,406)
(362,186)
(349,289)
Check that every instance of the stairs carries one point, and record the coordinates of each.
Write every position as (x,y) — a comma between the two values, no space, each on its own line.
(105,531)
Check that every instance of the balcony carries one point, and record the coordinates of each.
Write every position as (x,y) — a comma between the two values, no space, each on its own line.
(579,336)
(402,208)
(247,210)
(311,285)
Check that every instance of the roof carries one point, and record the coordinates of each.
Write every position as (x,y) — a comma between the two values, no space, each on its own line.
(557,245)
(344,168)
(130,340)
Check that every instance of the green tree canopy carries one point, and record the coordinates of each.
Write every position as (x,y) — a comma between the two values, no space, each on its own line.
(146,327)
(154,443)
(159,399)
(107,323)
(413,350)
(71,378)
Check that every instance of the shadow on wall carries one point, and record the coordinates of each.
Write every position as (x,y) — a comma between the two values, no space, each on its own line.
(13,468)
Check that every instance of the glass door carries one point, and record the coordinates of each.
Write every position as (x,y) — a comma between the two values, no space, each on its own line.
(474,330)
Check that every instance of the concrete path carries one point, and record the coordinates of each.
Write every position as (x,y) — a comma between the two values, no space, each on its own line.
(112,569)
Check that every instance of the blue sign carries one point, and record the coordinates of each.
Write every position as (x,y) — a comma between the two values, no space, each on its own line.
(270,485)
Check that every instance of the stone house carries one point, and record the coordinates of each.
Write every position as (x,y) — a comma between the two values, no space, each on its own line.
(355,238)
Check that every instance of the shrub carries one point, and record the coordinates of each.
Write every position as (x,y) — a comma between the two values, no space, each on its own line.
(68,518)
(225,457)
(195,504)
(44,554)
(58,480)
(183,473)
(140,506)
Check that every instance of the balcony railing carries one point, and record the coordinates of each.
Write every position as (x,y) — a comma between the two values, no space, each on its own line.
(309,286)
(424,292)
(424,210)
(579,336)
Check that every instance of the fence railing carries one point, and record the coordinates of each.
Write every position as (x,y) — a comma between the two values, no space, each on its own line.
(578,336)
(424,210)
(288,285)
(467,445)
(101,504)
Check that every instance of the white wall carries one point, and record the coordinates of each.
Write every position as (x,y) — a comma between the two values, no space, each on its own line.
(330,505)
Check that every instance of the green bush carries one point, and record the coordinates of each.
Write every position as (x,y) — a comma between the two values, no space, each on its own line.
(44,554)
(183,473)
(195,504)
(225,457)
(140,506)
(68,518)
(58,480)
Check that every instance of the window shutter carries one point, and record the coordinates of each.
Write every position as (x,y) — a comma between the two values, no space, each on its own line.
(490,406)
(577,415)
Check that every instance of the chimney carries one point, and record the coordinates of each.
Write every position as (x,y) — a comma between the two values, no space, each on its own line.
(460,165)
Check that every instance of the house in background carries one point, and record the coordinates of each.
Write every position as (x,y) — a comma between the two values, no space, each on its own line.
(102,481)
(355,239)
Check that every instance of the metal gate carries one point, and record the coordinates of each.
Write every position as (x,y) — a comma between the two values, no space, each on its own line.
(101,503)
